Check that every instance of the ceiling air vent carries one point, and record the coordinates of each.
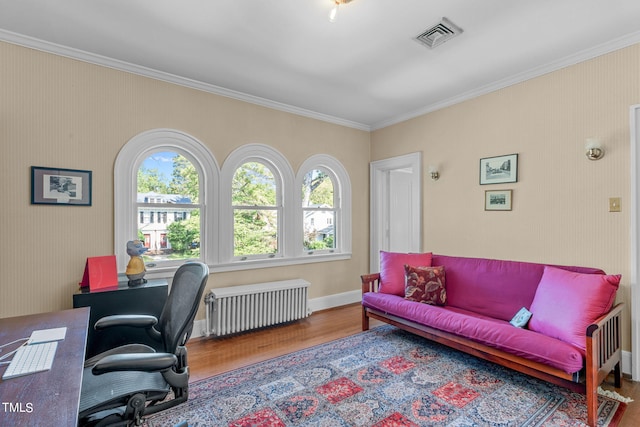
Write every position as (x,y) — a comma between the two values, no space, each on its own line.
(438,34)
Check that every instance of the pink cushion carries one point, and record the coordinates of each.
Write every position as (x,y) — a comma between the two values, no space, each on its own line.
(392,269)
(567,302)
(425,285)
(494,288)
(495,333)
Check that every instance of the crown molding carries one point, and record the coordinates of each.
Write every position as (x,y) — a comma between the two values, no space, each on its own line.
(80,55)
(33,43)
(582,56)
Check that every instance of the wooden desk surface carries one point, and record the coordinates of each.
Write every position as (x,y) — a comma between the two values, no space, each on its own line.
(48,398)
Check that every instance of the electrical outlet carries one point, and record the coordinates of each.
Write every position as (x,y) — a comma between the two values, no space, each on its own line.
(614,204)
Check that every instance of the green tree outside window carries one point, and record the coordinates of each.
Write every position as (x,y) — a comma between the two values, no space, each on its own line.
(255,210)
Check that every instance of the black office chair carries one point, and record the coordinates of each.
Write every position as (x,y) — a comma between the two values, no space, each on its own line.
(122,385)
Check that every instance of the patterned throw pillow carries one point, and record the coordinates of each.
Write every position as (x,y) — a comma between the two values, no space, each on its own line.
(425,285)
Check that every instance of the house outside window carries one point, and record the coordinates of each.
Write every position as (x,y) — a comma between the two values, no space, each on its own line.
(324,192)
(165,173)
(318,207)
(167,181)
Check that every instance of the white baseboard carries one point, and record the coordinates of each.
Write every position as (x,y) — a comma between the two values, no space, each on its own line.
(336,300)
(626,362)
(199,328)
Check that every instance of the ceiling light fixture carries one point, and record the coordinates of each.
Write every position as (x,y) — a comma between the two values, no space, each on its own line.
(334,10)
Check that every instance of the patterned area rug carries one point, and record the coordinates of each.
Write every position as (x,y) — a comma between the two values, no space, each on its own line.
(383,377)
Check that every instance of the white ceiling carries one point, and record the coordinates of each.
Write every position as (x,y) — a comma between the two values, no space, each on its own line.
(363,71)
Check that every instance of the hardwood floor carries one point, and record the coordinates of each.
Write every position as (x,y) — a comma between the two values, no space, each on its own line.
(212,356)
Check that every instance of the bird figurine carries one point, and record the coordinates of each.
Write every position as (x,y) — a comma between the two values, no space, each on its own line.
(136,269)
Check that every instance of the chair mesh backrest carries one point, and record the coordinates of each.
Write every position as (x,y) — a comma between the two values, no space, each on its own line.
(176,320)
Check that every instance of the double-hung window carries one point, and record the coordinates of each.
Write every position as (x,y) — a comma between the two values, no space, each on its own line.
(168,192)
(324,192)
(257,211)
(319,211)
(256,183)
(165,185)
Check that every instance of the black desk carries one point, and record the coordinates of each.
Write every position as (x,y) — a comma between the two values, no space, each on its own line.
(49,398)
(144,299)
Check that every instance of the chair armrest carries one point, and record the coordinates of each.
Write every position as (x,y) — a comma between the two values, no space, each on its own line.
(370,282)
(132,320)
(616,311)
(145,362)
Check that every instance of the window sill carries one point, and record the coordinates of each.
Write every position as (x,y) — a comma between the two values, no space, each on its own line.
(167,272)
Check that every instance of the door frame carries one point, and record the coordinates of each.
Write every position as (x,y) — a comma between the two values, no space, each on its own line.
(634,119)
(378,174)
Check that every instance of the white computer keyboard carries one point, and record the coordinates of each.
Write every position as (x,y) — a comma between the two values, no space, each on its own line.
(31,358)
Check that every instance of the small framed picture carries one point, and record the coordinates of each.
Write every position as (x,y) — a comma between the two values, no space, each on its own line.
(498,170)
(497,200)
(53,186)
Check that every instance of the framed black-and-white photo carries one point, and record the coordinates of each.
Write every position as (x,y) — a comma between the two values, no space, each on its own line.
(497,200)
(498,170)
(53,186)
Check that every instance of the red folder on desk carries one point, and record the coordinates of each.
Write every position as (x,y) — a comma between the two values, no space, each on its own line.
(100,272)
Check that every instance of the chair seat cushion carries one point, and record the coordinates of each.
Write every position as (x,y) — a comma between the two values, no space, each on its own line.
(98,389)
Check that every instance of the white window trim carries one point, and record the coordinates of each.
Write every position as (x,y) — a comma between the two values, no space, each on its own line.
(126,167)
(342,203)
(283,176)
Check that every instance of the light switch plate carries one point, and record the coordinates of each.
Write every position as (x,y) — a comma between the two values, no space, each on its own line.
(614,204)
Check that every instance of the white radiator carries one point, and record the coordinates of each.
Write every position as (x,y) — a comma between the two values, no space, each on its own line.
(240,308)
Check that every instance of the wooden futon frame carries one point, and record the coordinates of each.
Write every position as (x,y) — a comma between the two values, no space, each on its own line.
(603,350)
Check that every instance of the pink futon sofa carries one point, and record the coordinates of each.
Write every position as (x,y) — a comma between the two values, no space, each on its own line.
(572,337)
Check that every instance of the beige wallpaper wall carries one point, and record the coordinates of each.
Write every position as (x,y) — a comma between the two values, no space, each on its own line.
(560,202)
(59,112)
(63,113)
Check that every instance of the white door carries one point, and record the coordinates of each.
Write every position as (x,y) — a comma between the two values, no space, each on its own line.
(396,206)
(400,223)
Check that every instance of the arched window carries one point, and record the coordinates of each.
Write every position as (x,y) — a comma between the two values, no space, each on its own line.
(165,188)
(324,205)
(169,193)
(319,211)
(256,184)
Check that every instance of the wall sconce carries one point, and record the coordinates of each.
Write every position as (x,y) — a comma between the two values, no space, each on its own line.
(433,170)
(594,149)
